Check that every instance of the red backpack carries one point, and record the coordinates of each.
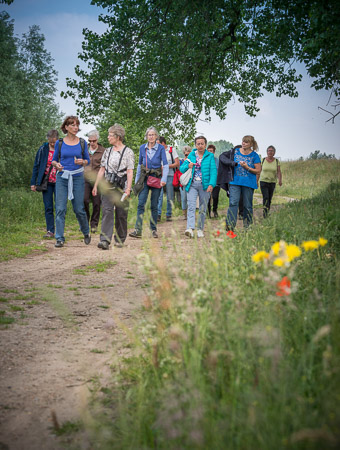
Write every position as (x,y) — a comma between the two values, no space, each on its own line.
(177,174)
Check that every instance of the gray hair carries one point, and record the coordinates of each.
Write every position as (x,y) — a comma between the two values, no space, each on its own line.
(52,134)
(94,133)
(118,131)
(151,129)
(186,148)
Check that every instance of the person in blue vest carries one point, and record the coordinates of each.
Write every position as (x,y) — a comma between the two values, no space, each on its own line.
(70,159)
(149,177)
(42,167)
(203,180)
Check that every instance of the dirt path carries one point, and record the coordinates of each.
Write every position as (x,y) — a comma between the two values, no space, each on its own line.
(65,331)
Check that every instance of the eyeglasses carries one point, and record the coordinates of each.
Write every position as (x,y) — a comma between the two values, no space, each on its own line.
(112,135)
(92,140)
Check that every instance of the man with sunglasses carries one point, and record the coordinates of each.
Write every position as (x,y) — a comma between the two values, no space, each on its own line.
(96,152)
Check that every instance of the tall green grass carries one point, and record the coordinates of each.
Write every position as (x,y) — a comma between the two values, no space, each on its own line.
(220,360)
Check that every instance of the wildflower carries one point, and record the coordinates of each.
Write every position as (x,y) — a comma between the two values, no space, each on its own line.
(284,287)
(278,246)
(217,233)
(260,256)
(310,245)
(322,242)
(279,262)
(231,234)
(292,251)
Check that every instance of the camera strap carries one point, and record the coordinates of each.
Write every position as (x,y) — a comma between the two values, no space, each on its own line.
(120,159)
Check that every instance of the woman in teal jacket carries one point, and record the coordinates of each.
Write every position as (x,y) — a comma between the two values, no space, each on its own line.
(201,184)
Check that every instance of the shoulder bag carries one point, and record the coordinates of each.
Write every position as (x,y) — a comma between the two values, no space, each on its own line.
(152,181)
(43,186)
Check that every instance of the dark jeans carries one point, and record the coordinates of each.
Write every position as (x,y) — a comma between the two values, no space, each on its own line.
(114,213)
(214,198)
(96,201)
(142,198)
(49,206)
(267,190)
(235,193)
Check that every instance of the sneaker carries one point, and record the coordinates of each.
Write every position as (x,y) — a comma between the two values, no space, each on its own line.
(119,244)
(135,234)
(189,232)
(200,233)
(87,239)
(104,245)
(48,235)
(215,214)
(168,219)
(94,230)
(159,218)
(59,244)
(154,234)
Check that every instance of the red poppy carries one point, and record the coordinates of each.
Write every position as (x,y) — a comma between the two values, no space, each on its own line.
(217,233)
(231,234)
(284,287)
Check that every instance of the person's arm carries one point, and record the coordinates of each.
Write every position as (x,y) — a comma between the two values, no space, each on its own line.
(83,162)
(213,175)
(175,164)
(279,175)
(100,176)
(165,167)
(55,162)
(129,174)
(255,170)
(35,170)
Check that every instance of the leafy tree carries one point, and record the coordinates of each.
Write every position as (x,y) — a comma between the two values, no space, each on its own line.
(221,146)
(178,59)
(318,155)
(27,106)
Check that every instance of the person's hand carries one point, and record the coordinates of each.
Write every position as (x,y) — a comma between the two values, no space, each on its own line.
(33,188)
(210,188)
(163,183)
(79,161)
(244,165)
(191,165)
(127,192)
(94,191)
(59,167)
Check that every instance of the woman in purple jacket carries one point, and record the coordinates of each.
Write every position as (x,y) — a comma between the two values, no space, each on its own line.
(151,158)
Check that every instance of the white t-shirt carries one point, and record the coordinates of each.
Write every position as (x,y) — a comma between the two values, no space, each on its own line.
(168,157)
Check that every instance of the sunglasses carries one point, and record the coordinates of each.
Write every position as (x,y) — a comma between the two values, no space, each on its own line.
(92,140)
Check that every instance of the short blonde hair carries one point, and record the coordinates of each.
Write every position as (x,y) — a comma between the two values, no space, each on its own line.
(252,141)
(151,129)
(118,131)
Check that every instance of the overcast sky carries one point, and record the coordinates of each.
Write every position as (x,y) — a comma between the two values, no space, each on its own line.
(294,126)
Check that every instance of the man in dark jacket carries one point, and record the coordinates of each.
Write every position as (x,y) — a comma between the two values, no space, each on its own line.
(96,152)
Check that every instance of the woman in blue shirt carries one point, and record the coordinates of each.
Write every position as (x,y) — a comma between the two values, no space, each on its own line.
(151,157)
(244,182)
(70,160)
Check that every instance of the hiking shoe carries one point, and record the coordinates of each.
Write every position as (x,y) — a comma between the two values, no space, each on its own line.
(119,244)
(104,245)
(154,234)
(159,218)
(189,232)
(168,219)
(215,214)
(135,234)
(200,233)
(94,230)
(59,244)
(87,239)
(48,235)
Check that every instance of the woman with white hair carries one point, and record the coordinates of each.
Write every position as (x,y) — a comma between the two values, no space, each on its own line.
(150,177)
(117,166)
(96,152)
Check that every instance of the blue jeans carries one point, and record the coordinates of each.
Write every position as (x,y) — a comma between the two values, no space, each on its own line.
(77,203)
(183,198)
(142,198)
(169,197)
(49,206)
(196,189)
(234,198)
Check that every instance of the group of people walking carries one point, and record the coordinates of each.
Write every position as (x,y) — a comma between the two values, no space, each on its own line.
(67,168)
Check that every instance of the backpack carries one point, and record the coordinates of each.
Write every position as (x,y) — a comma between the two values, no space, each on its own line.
(175,182)
(82,145)
(275,160)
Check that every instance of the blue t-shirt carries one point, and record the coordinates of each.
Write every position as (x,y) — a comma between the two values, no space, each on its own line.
(67,154)
(243,177)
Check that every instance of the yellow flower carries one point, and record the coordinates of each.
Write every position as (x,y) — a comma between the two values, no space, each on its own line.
(260,256)
(278,246)
(292,251)
(278,262)
(322,241)
(310,245)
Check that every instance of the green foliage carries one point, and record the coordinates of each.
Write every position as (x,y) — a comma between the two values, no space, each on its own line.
(27,107)
(318,155)
(222,361)
(177,60)
(221,146)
